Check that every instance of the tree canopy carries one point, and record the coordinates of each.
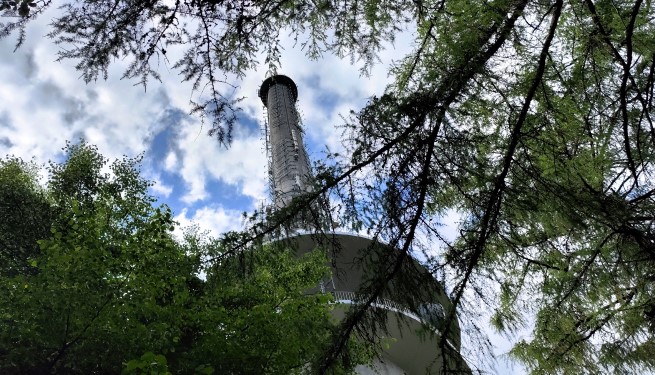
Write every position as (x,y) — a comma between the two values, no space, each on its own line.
(529,119)
(93,281)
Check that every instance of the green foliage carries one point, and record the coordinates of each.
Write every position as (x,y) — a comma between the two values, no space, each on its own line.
(25,215)
(149,363)
(531,121)
(108,282)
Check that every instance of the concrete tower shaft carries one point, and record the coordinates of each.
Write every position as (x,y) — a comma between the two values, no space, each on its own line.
(410,353)
(289,165)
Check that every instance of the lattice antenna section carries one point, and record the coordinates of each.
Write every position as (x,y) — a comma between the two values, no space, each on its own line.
(303,146)
(269,160)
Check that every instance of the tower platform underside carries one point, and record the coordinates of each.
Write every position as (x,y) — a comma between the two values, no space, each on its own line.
(413,341)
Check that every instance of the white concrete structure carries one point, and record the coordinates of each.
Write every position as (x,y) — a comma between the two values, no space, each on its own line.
(413,341)
(407,352)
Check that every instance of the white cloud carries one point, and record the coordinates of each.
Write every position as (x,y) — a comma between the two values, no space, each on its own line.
(170,162)
(215,220)
(50,105)
(203,159)
(160,188)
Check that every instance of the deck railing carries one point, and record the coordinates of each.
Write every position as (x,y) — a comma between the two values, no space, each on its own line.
(352,298)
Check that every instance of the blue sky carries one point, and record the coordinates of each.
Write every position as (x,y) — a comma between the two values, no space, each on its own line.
(43,103)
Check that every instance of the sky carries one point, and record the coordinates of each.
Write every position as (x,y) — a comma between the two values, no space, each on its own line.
(44,103)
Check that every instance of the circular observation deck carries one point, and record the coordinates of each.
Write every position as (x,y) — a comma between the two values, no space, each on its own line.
(274,80)
(412,337)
